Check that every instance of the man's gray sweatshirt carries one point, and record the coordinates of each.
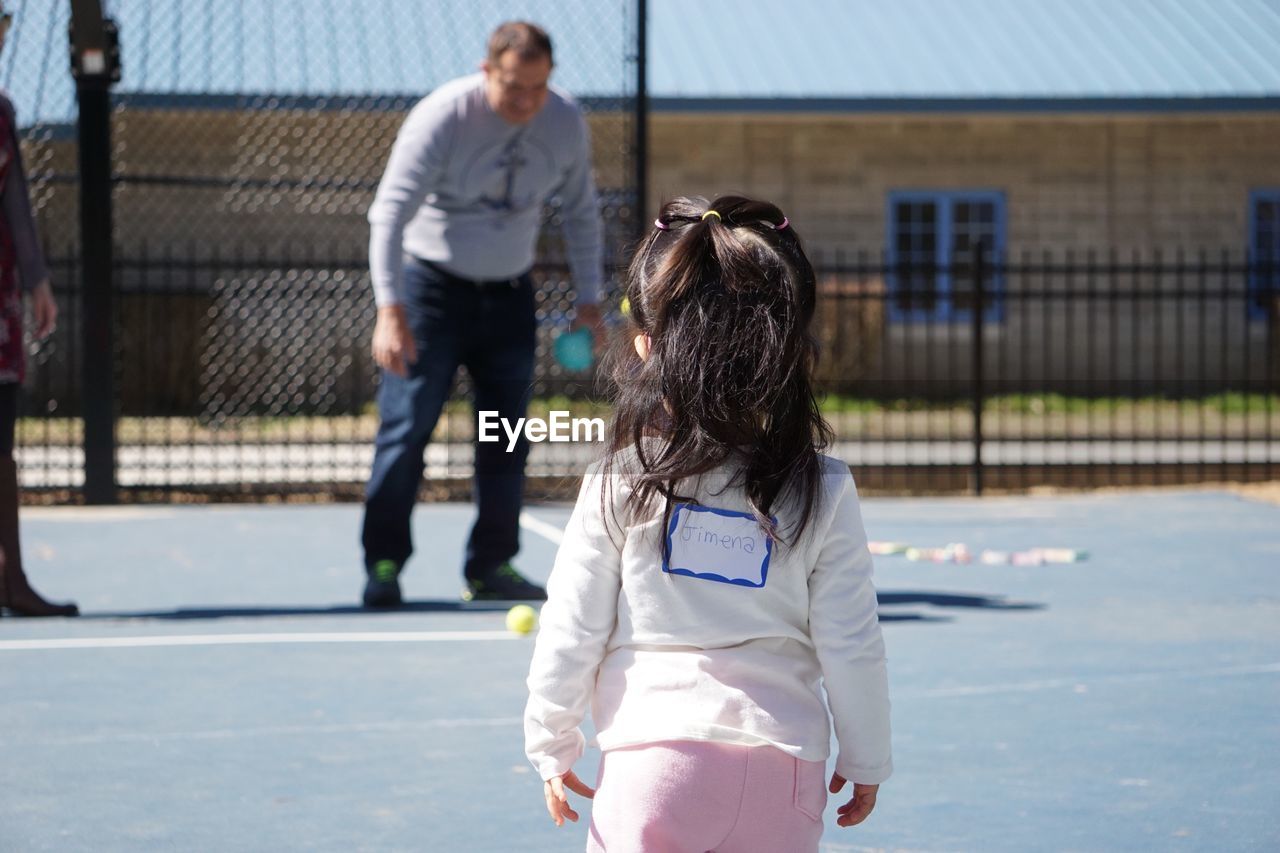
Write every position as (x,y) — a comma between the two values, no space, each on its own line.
(465,190)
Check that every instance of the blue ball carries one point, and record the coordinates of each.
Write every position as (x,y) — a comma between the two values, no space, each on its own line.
(573,350)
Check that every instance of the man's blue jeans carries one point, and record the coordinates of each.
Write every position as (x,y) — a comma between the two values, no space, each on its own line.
(488,327)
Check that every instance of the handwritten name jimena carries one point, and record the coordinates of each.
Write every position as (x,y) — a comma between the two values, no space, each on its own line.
(699,535)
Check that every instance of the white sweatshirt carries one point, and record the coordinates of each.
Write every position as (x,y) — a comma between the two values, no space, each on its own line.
(728,641)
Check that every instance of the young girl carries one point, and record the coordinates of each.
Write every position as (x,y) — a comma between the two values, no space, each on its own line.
(715,570)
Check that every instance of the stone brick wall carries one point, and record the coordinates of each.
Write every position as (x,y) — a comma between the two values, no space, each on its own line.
(1070,182)
(1139,184)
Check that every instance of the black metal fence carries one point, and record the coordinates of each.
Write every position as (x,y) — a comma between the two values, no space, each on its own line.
(1083,369)
(250,375)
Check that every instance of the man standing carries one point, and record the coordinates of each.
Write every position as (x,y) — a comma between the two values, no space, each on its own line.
(453,230)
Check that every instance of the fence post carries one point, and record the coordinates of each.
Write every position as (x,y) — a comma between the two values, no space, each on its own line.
(95,65)
(642,119)
(979,292)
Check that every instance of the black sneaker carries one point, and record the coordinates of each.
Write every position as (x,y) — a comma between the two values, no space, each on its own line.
(383,587)
(502,584)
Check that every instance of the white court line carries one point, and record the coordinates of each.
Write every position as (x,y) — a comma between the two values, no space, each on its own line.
(390,726)
(549,532)
(179,640)
(171,640)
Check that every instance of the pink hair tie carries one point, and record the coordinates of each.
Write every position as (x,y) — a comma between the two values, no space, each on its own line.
(660,225)
(785,222)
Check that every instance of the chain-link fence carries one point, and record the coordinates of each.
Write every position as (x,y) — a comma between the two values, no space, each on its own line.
(247,142)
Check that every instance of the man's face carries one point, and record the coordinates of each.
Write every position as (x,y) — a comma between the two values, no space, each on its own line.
(517,89)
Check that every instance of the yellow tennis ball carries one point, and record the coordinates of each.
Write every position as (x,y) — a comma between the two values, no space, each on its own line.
(625,307)
(522,619)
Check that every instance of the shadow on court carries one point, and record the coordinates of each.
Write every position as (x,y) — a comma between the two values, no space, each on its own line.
(409,607)
(947,599)
(936,599)
(967,601)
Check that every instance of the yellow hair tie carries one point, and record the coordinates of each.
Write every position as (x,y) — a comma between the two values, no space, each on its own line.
(712,213)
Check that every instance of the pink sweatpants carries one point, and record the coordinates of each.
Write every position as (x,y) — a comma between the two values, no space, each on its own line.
(694,797)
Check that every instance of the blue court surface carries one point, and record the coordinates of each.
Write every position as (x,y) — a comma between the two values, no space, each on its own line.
(223,691)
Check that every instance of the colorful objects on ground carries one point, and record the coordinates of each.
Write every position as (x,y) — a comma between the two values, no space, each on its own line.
(958,552)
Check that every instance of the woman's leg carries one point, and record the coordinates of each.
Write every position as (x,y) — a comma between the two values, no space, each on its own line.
(8,416)
(15,593)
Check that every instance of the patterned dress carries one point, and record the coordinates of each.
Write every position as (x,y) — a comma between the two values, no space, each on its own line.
(12,360)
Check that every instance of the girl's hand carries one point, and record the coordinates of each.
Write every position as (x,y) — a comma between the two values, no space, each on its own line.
(860,804)
(558,802)
(45,309)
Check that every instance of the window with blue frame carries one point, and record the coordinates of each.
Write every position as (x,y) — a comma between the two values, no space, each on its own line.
(933,241)
(1264,250)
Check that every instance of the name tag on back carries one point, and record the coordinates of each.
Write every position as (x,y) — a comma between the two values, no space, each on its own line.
(718,545)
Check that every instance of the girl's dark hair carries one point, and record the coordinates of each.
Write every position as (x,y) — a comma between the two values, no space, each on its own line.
(726,299)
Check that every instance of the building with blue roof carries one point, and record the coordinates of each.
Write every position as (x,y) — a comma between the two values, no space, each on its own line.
(917,129)
(945,55)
